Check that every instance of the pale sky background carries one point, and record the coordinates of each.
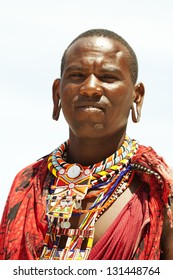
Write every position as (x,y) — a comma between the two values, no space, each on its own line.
(33,36)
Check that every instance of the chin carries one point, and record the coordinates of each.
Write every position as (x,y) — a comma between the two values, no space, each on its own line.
(96,131)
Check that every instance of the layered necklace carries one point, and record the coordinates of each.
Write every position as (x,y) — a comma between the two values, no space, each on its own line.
(72,183)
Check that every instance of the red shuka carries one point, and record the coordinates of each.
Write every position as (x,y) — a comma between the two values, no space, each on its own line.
(134,234)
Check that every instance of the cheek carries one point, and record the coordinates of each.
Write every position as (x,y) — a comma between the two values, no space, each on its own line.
(67,105)
(68,94)
(66,100)
(121,106)
(121,99)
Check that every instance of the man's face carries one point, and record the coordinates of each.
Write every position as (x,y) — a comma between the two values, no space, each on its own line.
(96,89)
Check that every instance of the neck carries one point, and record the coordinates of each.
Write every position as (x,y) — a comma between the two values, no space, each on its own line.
(90,151)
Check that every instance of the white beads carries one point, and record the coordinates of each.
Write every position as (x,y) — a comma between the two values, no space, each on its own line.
(65,224)
(73,171)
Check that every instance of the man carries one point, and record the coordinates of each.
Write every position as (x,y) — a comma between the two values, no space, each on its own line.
(99,195)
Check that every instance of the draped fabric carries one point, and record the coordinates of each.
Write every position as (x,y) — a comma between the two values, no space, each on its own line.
(24,224)
(123,236)
(134,234)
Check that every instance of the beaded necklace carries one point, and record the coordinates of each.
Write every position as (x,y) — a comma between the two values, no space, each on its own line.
(104,181)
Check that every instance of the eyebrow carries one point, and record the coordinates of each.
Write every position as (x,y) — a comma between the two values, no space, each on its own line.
(103,69)
(110,69)
(74,67)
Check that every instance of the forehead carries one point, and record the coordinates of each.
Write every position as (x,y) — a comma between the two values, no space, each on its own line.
(100,49)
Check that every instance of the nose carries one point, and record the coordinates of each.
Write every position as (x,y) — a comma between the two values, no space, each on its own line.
(91,86)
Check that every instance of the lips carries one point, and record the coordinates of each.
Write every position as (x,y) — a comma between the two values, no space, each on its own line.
(90,107)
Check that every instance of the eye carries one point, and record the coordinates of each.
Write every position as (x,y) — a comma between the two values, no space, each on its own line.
(108,78)
(76,75)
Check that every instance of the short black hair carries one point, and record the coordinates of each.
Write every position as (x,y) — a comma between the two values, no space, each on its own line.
(133,63)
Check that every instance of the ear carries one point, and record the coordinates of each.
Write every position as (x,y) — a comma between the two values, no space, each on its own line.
(56,99)
(138,100)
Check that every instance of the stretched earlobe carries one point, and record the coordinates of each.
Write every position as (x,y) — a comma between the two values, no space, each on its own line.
(56,99)
(56,112)
(138,102)
(135,114)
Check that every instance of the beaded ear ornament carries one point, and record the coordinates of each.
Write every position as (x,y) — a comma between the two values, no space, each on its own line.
(105,181)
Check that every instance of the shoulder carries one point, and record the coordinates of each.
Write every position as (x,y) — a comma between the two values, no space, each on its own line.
(25,175)
(153,170)
(22,183)
(149,158)
(32,169)
(148,154)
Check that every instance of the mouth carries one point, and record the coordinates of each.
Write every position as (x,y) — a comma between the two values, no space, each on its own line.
(90,108)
